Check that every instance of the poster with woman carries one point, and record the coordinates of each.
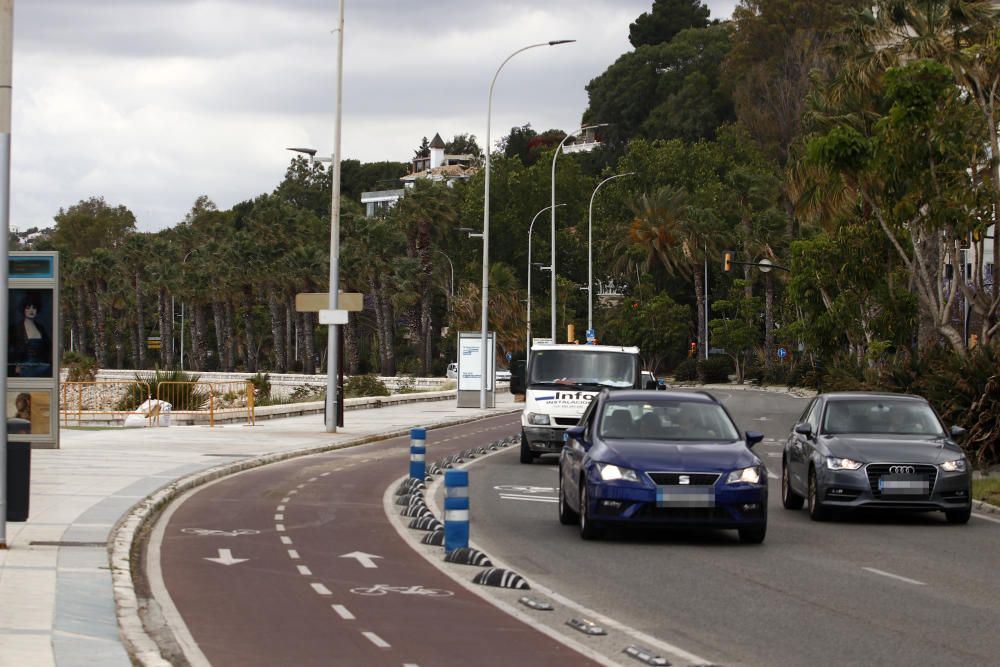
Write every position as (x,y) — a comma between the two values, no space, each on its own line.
(29,342)
(28,412)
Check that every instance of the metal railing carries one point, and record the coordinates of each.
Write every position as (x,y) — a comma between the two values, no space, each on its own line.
(105,402)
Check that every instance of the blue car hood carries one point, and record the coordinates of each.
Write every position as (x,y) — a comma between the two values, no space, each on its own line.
(678,456)
(890,448)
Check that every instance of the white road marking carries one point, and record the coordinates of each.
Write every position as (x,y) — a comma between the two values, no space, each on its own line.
(279,517)
(375,639)
(293,492)
(285,499)
(772,475)
(281,508)
(301,486)
(293,554)
(894,576)
(324,474)
(305,571)
(286,540)
(366,560)
(313,479)
(537,499)
(280,527)
(321,589)
(343,612)
(985,518)
(775,455)
(225,557)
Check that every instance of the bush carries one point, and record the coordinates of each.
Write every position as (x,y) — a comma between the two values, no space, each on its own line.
(184,396)
(261,386)
(406,385)
(306,392)
(715,369)
(686,371)
(79,367)
(357,386)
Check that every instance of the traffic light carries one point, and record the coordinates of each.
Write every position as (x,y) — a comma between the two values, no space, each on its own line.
(727,261)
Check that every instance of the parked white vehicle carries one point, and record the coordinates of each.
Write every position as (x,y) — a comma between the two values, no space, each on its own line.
(452,371)
(560,381)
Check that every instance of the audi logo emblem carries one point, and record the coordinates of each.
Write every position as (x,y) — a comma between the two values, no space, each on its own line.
(902,470)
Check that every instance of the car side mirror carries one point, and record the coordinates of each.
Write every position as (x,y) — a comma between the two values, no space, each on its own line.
(650,384)
(517,375)
(805,428)
(957,431)
(753,437)
(572,433)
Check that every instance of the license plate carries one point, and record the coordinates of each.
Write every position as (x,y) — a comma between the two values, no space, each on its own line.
(685,496)
(903,485)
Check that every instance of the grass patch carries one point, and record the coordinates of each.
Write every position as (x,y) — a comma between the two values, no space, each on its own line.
(987,490)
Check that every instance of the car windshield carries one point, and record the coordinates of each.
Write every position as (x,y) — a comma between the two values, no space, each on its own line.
(667,420)
(611,369)
(881,417)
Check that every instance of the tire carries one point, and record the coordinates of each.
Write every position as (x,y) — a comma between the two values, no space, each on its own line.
(527,456)
(753,534)
(816,510)
(959,517)
(567,517)
(588,529)
(789,499)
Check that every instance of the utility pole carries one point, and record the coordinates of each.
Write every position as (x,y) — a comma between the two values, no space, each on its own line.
(333,356)
(6,86)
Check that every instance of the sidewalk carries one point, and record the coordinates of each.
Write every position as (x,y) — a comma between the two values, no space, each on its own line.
(57,599)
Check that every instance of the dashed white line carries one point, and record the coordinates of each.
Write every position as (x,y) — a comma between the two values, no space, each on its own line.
(324,474)
(293,554)
(537,499)
(305,571)
(343,612)
(280,527)
(279,517)
(321,589)
(772,475)
(375,639)
(285,499)
(986,518)
(293,492)
(301,486)
(280,508)
(286,540)
(313,479)
(894,576)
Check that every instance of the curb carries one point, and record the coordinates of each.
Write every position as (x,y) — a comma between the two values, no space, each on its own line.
(123,545)
(985,507)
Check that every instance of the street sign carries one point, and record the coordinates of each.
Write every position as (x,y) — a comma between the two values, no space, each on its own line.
(541,341)
(765,265)
(333,317)
(313,302)
(782,353)
(509,356)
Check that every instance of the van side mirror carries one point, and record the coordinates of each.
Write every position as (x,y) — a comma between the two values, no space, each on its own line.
(517,376)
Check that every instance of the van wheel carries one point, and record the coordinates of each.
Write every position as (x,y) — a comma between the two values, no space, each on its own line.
(527,456)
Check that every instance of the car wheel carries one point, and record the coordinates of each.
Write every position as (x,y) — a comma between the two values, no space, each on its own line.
(588,529)
(959,516)
(789,499)
(816,510)
(753,534)
(527,456)
(567,517)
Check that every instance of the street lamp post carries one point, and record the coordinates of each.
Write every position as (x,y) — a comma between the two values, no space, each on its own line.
(183,262)
(451,291)
(483,382)
(552,251)
(590,249)
(527,338)
(6,80)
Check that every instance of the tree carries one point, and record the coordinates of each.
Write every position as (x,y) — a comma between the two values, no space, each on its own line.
(90,224)
(665,20)
(424,149)
(463,144)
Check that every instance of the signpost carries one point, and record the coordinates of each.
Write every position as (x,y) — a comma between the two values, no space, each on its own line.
(319,302)
(782,353)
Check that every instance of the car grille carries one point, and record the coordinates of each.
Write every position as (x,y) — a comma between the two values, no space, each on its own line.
(923,472)
(567,421)
(694,478)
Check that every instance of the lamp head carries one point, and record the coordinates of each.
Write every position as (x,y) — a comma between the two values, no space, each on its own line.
(308,151)
(557,42)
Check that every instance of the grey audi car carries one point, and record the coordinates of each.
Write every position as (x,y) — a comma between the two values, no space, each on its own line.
(854,450)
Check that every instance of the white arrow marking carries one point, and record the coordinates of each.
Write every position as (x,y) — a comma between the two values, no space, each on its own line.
(363,558)
(226,558)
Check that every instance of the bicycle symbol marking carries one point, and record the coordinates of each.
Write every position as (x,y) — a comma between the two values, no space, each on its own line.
(384,589)
(204,532)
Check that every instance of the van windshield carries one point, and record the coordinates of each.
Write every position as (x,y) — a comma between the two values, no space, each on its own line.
(582,367)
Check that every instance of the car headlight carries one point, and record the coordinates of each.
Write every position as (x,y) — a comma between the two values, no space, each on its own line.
(752,475)
(611,473)
(958,465)
(837,463)
(538,419)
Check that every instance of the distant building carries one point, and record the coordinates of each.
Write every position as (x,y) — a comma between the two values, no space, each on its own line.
(438,166)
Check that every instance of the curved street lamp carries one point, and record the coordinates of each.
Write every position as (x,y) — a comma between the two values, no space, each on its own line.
(552,261)
(527,338)
(486,220)
(590,249)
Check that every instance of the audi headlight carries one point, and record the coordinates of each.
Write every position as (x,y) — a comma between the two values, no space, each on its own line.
(958,465)
(752,475)
(611,473)
(836,463)
(537,419)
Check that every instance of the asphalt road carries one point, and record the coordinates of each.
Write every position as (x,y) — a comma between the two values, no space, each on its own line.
(296,564)
(860,590)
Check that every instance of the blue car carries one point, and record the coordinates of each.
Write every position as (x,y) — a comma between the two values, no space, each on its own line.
(661,458)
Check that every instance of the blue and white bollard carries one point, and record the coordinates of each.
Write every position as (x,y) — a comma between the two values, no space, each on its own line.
(417,453)
(456,509)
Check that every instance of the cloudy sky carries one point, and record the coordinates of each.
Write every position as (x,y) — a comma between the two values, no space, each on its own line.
(151,103)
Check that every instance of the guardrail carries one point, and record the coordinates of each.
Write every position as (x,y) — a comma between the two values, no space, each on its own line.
(101,402)
(87,403)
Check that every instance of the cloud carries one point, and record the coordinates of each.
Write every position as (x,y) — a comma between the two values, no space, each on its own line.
(151,103)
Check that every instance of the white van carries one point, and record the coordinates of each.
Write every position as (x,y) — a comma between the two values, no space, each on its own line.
(559,382)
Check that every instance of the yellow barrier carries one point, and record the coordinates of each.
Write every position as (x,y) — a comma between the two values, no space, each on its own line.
(95,403)
(100,402)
